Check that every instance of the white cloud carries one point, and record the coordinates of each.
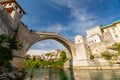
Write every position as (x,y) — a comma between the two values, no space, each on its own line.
(82,19)
(57,28)
(81,22)
(48,45)
(36,52)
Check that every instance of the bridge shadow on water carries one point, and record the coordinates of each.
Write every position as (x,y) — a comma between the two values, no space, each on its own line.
(50,74)
(70,74)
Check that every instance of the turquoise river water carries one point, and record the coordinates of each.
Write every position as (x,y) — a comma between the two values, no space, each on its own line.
(69,74)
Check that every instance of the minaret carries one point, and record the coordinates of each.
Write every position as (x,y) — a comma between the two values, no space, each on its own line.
(13,8)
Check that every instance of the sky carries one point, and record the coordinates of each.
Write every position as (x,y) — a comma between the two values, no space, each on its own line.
(36,52)
(67,17)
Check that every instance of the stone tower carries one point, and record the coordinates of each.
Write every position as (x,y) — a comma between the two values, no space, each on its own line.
(82,51)
(13,8)
(10,16)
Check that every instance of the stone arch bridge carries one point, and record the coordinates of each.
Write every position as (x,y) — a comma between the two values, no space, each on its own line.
(34,37)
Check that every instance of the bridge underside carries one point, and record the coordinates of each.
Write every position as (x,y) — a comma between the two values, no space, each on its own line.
(35,37)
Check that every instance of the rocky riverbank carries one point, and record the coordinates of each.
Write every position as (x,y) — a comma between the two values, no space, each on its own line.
(17,74)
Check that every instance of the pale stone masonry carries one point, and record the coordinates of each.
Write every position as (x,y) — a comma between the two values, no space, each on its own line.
(114,30)
(98,38)
(82,51)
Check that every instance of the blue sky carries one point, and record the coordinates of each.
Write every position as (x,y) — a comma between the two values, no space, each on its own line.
(67,17)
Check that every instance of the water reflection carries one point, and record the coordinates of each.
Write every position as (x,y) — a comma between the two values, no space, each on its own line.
(68,74)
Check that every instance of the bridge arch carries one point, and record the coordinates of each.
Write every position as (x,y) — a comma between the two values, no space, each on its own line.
(35,37)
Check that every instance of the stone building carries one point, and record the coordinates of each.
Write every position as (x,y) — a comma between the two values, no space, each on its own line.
(11,13)
(113,30)
(14,9)
(82,51)
(98,40)
(4,29)
(94,35)
(106,36)
(93,31)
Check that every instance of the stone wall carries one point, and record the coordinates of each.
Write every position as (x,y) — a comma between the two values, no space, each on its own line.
(114,30)
(93,31)
(8,27)
(82,53)
(6,23)
(22,33)
(108,37)
(98,48)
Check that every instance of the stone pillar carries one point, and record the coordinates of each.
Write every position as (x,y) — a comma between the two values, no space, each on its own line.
(82,52)
(17,62)
(18,59)
(81,58)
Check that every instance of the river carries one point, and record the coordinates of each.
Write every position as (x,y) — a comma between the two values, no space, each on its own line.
(69,74)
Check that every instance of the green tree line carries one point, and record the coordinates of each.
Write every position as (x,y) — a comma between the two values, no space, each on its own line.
(37,63)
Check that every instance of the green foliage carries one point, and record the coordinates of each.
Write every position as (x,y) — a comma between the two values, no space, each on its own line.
(7,45)
(13,43)
(48,54)
(63,56)
(111,64)
(117,45)
(33,58)
(27,57)
(106,55)
(36,63)
(92,57)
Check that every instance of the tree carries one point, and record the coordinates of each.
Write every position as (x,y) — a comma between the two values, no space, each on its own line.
(117,45)
(27,57)
(36,63)
(7,45)
(107,55)
(48,54)
(92,57)
(63,56)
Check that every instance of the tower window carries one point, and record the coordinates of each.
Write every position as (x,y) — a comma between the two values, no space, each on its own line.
(20,12)
(107,30)
(10,4)
(116,36)
(4,5)
(16,7)
(95,40)
(113,29)
(78,40)
(89,42)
